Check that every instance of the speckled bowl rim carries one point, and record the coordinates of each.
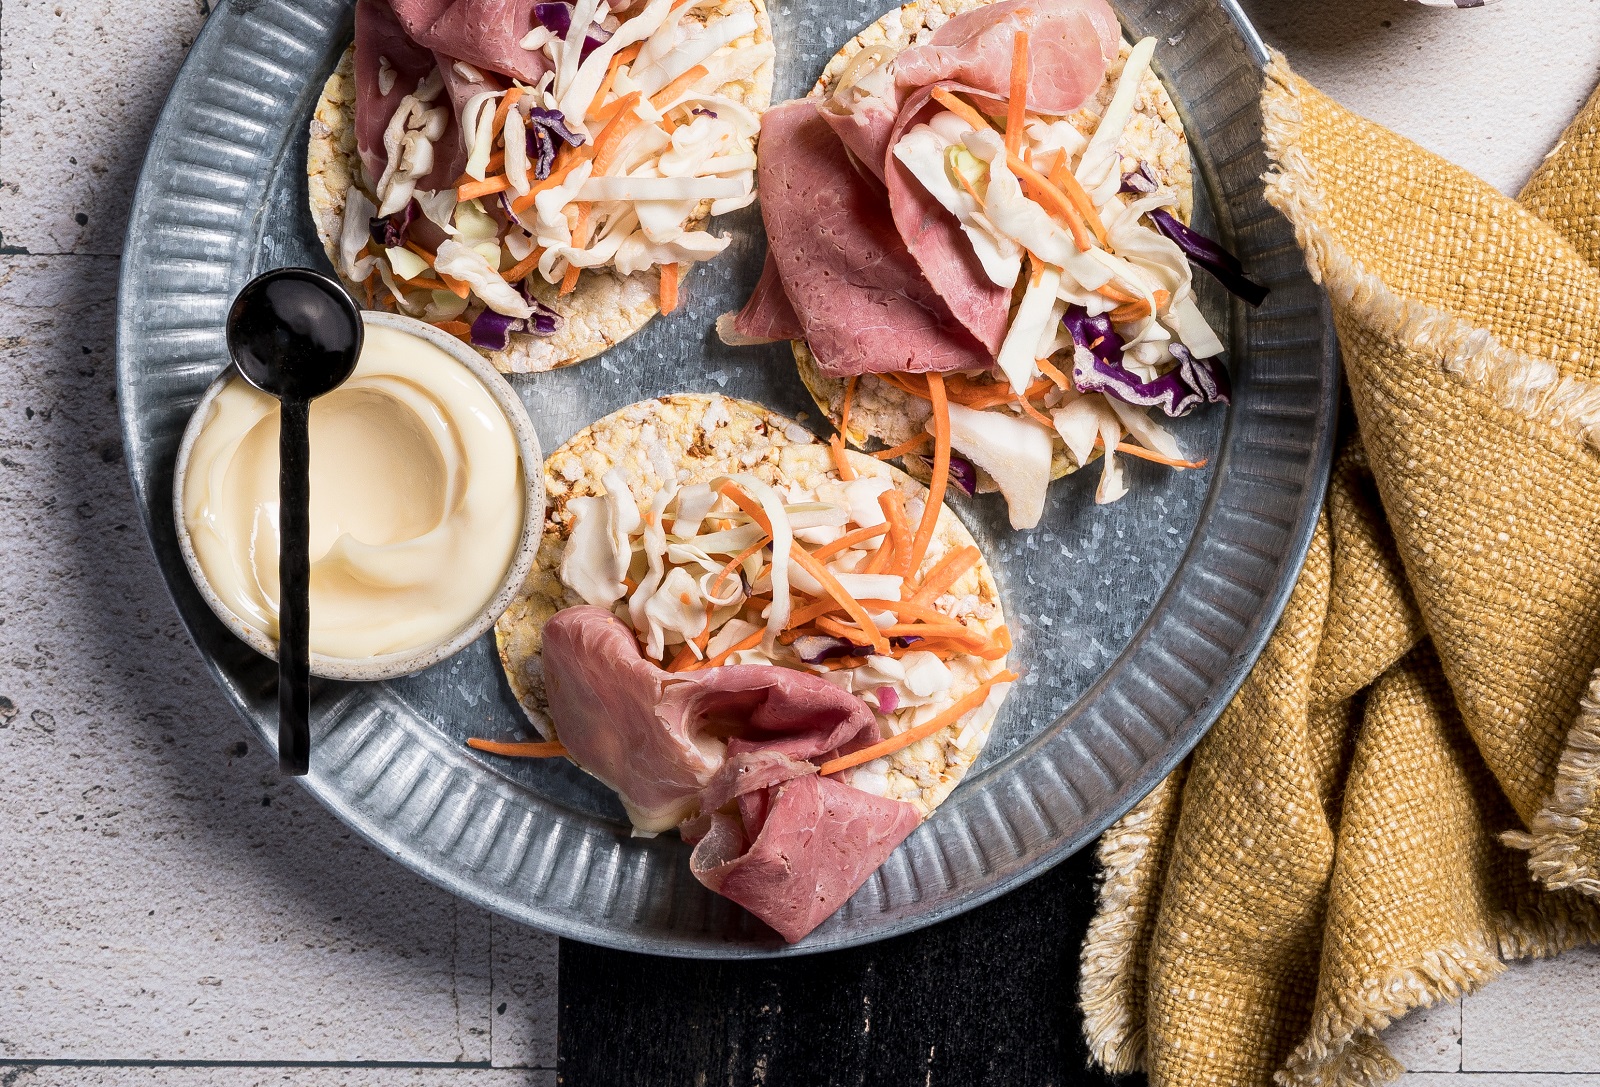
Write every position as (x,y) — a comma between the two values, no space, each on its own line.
(404,663)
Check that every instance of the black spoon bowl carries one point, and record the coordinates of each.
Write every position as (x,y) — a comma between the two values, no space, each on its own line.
(294,334)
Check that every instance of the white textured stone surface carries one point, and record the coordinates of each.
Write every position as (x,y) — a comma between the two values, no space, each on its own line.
(1539,1017)
(236,1076)
(83,82)
(1428,1040)
(1489,88)
(166,897)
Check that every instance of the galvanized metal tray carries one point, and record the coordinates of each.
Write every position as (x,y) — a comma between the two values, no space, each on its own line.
(1134,622)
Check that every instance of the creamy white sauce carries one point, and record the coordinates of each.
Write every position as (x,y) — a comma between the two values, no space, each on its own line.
(416,501)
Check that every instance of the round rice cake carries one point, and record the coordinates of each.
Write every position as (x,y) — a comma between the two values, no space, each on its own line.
(606,307)
(1154,136)
(693,439)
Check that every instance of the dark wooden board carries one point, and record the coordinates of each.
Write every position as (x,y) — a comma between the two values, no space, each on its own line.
(986,998)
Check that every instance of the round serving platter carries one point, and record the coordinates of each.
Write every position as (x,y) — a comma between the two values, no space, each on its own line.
(1134,622)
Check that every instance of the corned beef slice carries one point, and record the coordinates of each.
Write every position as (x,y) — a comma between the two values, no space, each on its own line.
(379,34)
(814,844)
(484,33)
(603,697)
(1069,44)
(417,36)
(801,844)
(767,314)
(863,303)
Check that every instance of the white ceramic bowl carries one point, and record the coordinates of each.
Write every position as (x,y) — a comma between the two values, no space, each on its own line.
(390,665)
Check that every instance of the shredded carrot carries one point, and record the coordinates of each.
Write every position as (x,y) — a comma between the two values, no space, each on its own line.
(548,750)
(945,573)
(894,513)
(669,286)
(910,736)
(991,650)
(625,55)
(843,662)
(567,159)
(810,613)
(668,94)
(1036,415)
(810,565)
(960,108)
(737,561)
(487,187)
(911,611)
(454,328)
(425,254)
(1049,370)
(748,643)
(1040,187)
(1054,201)
(580,238)
(1065,180)
(427,284)
(524,267)
(1137,310)
(844,409)
(496,161)
(849,540)
(1149,454)
(1017,107)
(367,286)
(882,558)
(611,136)
(1115,293)
(941,475)
(507,100)
(841,463)
(910,445)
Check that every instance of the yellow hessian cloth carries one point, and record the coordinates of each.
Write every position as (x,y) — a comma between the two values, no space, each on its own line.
(1403,794)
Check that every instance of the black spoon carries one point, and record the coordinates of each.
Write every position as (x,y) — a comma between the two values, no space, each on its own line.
(294,334)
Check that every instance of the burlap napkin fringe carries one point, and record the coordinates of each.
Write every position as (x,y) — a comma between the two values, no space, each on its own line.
(1112,968)
(1530,386)
(1556,848)
(1181,987)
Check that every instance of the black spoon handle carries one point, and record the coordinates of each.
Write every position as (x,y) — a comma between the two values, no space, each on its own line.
(294,588)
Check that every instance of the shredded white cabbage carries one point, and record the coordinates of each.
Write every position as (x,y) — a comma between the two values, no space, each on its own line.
(696,49)
(1031,324)
(675,608)
(471,267)
(659,188)
(1014,452)
(922,151)
(1099,170)
(354,234)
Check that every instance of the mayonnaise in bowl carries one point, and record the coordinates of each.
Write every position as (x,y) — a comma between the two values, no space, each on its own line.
(420,503)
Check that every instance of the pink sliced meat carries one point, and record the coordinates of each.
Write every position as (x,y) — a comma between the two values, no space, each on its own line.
(657,737)
(801,854)
(484,33)
(862,301)
(775,709)
(1070,42)
(767,314)
(381,37)
(603,697)
(935,239)
(748,772)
